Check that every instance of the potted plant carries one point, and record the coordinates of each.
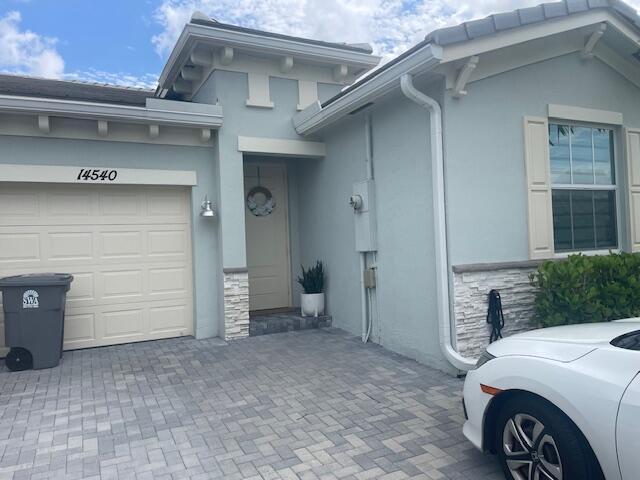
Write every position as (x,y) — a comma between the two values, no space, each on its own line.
(312,281)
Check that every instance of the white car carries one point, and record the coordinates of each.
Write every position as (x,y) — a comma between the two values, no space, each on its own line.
(560,403)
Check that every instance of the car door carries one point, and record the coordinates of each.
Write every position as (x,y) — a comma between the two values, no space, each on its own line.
(627,437)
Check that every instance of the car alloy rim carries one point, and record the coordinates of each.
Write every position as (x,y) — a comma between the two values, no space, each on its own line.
(531,452)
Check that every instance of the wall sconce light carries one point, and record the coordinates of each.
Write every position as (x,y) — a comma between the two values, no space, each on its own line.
(207,209)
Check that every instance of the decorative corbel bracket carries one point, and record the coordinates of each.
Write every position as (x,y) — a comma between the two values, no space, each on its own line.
(592,41)
(463,77)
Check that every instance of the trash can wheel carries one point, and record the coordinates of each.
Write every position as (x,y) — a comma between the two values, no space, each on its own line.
(19,359)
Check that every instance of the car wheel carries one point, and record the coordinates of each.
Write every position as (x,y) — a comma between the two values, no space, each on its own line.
(536,441)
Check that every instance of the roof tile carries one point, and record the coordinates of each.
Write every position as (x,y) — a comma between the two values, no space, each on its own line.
(19,85)
(577,6)
(479,28)
(504,21)
(531,15)
(552,10)
(448,35)
(526,16)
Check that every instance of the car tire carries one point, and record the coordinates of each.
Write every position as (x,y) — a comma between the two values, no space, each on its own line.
(534,439)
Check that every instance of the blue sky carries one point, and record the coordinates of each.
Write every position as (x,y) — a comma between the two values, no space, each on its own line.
(93,38)
(127,41)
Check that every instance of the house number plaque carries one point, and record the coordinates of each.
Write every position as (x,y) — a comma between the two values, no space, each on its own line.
(97,175)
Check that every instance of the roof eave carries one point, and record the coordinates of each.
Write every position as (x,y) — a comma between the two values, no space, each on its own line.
(317,116)
(525,33)
(194,33)
(177,53)
(164,113)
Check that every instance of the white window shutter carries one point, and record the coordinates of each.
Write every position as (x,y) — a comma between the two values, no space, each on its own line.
(540,216)
(633,173)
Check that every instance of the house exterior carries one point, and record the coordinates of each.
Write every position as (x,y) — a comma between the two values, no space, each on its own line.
(481,151)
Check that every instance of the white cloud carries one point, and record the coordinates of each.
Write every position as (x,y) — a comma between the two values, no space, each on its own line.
(28,53)
(391,26)
(123,79)
(23,51)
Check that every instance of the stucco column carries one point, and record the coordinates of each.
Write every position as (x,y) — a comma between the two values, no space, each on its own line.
(232,234)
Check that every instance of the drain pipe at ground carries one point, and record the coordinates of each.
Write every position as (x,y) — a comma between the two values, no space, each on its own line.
(440,224)
(363,296)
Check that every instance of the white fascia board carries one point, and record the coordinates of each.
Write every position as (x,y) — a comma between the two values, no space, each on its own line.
(256,44)
(523,34)
(211,118)
(314,117)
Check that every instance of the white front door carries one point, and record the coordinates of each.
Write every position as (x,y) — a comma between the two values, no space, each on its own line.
(267,228)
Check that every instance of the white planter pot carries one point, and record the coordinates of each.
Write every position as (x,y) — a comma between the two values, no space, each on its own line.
(312,304)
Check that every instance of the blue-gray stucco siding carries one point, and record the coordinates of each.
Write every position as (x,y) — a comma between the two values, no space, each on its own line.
(91,153)
(405,308)
(484,144)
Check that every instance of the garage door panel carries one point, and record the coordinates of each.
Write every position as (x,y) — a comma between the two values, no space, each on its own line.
(65,204)
(116,221)
(79,330)
(120,284)
(123,323)
(168,319)
(82,288)
(19,204)
(164,243)
(70,245)
(19,247)
(164,204)
(132,269)
(120,204)
(168,280)
(118,245)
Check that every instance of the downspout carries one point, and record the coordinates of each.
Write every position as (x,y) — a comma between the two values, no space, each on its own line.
(440,222)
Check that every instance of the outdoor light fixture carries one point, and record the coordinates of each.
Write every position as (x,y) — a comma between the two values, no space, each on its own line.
(207,209)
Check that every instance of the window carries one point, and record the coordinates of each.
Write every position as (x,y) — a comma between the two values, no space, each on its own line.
(629,341)
(583,188)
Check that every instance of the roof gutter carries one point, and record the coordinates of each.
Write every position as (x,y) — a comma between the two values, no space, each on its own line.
(420,59)
(157,112)
(440,222)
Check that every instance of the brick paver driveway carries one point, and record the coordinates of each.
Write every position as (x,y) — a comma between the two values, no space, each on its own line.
(307,405)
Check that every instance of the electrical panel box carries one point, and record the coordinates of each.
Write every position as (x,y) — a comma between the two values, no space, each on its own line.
(369,277)
(365,216)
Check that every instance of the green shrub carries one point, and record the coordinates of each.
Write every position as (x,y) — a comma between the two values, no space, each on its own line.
(584,289)
(312,280)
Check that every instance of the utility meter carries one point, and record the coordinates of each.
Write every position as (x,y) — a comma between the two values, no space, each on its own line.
(363,203)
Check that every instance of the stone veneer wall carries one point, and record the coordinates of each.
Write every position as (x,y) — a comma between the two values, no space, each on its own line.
(236,304)
(471,285)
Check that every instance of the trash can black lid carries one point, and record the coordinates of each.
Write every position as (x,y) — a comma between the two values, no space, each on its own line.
(37,279)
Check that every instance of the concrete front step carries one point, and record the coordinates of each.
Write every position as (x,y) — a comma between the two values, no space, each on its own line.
(285,322)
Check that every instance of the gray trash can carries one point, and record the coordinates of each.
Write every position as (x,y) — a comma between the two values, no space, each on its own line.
(34,318)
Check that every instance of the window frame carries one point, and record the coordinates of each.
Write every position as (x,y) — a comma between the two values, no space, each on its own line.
(615,187)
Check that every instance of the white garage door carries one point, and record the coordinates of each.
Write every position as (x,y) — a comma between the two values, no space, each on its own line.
(128,248)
